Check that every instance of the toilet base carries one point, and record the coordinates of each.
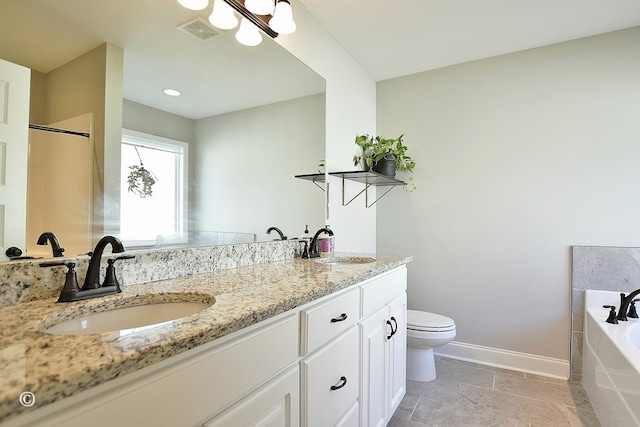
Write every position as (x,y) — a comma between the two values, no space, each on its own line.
(421,365)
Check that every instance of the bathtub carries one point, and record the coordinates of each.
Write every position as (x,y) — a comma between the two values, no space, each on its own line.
(611,362)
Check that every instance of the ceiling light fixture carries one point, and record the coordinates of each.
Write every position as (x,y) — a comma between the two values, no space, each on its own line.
(222,16)
(171,92)
(258,12)
(259,7)
(248,34)
(194,4)
(282,21)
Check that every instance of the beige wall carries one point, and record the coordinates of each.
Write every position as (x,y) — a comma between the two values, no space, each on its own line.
(56,201)
(519,157)
(92,83)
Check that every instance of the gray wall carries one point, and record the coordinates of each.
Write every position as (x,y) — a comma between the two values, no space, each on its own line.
(519,157)
(245,167)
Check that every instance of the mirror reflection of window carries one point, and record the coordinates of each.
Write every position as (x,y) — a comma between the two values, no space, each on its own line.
(153,190)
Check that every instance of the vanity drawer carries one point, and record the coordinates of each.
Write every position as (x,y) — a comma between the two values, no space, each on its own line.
(331,381)
(326,320)
(378,291)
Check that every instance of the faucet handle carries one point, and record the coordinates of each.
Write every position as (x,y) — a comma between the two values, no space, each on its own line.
(632,309)
(71,288)
(612,314)
(110,277)
(305,251)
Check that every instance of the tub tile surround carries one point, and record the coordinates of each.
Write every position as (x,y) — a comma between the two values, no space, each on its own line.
(58,366)
(600,268)
(23,281)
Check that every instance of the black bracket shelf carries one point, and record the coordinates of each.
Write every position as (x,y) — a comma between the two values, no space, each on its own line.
(313,177)
(369,179)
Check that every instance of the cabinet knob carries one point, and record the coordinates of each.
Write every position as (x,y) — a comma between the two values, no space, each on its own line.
(341,383)
(340,318)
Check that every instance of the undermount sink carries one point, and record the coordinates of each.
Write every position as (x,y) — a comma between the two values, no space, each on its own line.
(346,260)
(131,318)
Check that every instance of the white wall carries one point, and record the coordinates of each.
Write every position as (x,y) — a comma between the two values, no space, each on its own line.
(350,110)
(518,158)
(245,167)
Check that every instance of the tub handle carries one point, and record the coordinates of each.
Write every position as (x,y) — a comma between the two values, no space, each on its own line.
(612,314)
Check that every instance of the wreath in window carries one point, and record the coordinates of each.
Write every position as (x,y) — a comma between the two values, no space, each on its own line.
(141,180)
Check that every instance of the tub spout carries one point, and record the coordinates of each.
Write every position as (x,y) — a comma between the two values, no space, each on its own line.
(625,301)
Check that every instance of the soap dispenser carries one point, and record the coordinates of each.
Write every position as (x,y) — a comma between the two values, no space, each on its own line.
(306,235)
(326,244)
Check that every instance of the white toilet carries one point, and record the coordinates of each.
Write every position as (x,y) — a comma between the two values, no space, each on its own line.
(424,332)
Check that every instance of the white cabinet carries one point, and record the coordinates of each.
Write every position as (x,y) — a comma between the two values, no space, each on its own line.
(325,320)
(186,389)
(383,348)
(330,382)
(330,372)
(397,367)
(275,404)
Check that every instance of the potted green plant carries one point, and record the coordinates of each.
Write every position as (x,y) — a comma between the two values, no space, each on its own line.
(383,155)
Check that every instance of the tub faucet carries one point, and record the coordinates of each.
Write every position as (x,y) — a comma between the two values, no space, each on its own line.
(92,279)
(277,230)
(48,236)
(625,301)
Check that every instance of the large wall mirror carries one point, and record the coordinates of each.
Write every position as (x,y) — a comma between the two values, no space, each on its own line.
(214,165)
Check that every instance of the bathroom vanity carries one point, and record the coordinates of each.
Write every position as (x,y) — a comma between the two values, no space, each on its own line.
(293,342)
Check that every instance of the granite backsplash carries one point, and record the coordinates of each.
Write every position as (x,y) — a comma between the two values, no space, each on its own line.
(25,280)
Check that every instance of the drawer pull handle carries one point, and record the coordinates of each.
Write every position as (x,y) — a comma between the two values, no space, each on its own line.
(340,318)
(392,331)
(342,383)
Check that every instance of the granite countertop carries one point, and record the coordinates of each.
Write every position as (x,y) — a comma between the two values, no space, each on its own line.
(57,366)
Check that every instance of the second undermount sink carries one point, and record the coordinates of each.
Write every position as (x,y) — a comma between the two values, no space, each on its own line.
(342,259)
(128,319)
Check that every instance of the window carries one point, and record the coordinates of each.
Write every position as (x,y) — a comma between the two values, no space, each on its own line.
(158,214)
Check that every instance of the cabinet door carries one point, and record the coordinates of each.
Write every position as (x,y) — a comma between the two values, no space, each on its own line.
(276,404)
(330,381)
(397,373)
(374,331)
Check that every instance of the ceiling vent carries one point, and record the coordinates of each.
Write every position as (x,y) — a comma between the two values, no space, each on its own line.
(200,29)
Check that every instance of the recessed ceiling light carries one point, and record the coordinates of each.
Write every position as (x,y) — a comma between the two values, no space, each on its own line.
(172,92)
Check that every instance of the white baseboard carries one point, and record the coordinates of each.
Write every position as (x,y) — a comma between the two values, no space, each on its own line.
(523,362)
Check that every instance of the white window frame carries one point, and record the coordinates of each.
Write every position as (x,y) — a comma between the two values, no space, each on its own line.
(132,137)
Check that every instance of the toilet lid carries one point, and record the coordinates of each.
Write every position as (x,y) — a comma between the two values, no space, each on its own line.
(425,321)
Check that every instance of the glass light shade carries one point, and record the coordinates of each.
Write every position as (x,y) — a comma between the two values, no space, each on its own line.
(282,21)
(259,7)
(222,16)
(248,34)
(194,4)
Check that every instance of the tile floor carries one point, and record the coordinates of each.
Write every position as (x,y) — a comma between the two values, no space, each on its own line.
(468,394)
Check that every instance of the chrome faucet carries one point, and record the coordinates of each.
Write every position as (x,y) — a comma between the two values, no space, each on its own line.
(313,246)
(277,230)
(625,301)
(92,279)
(49,237)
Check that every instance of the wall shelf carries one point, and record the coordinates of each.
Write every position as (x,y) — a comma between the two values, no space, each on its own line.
(313,177)
(369,179)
